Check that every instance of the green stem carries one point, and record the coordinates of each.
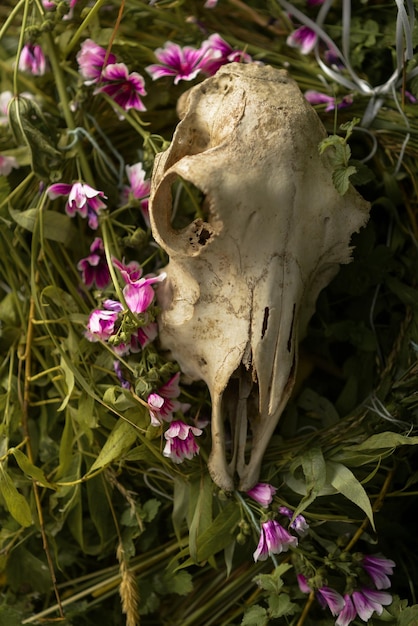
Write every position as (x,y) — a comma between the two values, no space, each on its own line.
(84,24)
(10,19)
(63,97)
(20,44)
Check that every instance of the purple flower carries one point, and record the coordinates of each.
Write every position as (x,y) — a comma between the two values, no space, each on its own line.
(377,567)
(124,88)
(348,612)
(180,441)
(138,188)
(314,3)
(119,373)
(91,58)
(7,163)
(162,404)
(303,38)
(299,523)
(316,97)
(94,267)
(101,323)
(262,493)
(219,52)
(32,59)
(367,601)
(274,539)
(182,63)
(82,199)
(331,598)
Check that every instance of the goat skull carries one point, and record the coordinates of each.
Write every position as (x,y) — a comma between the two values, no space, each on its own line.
(242,285)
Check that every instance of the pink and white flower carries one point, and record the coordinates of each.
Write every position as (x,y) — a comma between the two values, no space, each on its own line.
(180,441)
(138,292)
(181,63)
(368,601)
(299,523)
(274,539)
(378,568)
(303,38)
(162,404)
(7,164)
(348,612)
(101,323)
(262,493)
(219,53)
(137,340)
(94,268)
(32,60)
(91,59)
(316,97)
(138,188)
(82,199)
(123,87)
(331,598)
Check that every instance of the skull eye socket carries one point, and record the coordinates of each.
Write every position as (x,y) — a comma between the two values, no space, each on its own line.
(189,204)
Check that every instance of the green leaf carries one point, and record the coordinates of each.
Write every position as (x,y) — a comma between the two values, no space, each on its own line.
(69,381)
(408,617)
(344,481)
(200,511)
(280,605)
(220,533)
(341,178)
(30,469)
(384,441)
(255,616)
(117,444)
(273,582)
(16,504)
(55,226)
(180,582)
(314,469)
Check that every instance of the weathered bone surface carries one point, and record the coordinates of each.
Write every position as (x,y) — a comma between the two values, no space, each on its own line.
(242,285)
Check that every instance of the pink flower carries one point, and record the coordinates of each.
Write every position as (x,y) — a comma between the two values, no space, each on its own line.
(262,493)
(377,567)
(101,323)
(138,188)
(182,63)
(316,97)
(130,272)
(124,88)
(94,267)
(299,523)
(274,539)
(332,598)
(367,601)
(91,58)
(32,59)
(303,38)
(138,292)
(48,5)
(7,163)
(162,404)
(180,441)
(303,583)
(348,612)
(82,199)
(314,3)
(219,52)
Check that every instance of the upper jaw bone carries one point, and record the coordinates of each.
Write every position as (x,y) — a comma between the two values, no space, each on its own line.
(242,285)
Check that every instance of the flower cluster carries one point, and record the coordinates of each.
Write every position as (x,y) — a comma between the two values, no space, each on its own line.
(99,67)
(106,324)
(186,63)
(362,600)
(274,537)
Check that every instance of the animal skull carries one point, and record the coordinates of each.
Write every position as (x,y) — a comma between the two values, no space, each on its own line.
(242,285)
